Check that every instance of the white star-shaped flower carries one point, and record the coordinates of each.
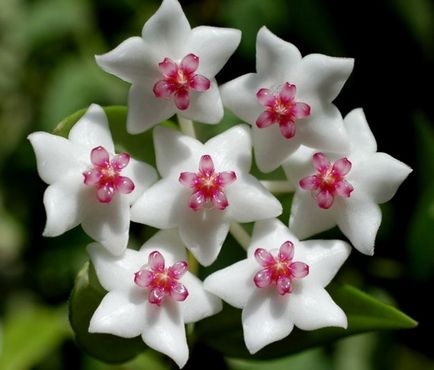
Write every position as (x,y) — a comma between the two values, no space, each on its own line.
(151,293)
(204,187)
(281,284)
(288,100)
(344,188)
(172,68)
(88,184)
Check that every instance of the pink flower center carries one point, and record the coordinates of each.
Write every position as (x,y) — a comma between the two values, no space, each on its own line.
(279,269)
(162,281)
(105,174)
(281,108)
(207,185)
(179,80)
(329,180)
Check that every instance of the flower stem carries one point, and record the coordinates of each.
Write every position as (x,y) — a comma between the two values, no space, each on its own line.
(186,126)
(240,235)
(277,186)
(193,265)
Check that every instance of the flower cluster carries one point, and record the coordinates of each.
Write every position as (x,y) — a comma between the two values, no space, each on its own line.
(199,192)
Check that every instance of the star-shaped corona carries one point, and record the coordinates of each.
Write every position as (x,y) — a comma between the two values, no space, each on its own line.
(105,175)
(162,281)
(279,269)
(180,79)
(207,185)
(281,108)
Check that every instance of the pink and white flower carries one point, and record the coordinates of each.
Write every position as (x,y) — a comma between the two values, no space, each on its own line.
(150,293)
(172,68)
(281,284)
(204,187)
(288,101)
(343,188)
(88,183)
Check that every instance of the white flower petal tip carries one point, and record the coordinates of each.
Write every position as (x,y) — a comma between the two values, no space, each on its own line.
(172,69)
(150,293)
(344,189)
(288,100)
(281,284)
(88,183)
(204,188)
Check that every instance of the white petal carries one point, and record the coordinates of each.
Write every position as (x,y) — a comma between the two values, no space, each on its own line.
(199,303)
(213,46)
(274,56)
(250,201)
(205,106)
(165,332)
(233,149)
(239,95)
(56,157)
(108,223)
(299,165)
(63,205)
(175,152)
(203,233)
(234,284)
(307,218)
(265,319)
(168,243)
(271,148)
(168,29)
(116,272)
(142,174)
(359,219)
(379,176)
(323,75)
(324,257)
(92,130)
(360,135)
(313,308)
(130,61)
(119,314)
(159,205)
(144,109)
(270,234)
(323,129)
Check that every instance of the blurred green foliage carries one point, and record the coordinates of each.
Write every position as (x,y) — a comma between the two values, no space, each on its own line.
(47,72)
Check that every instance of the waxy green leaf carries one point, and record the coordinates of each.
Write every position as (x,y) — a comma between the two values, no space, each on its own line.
(30,334)
(223,332)
(139,146)
(85,298)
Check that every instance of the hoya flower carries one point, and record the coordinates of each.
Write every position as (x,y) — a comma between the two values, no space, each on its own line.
(172,68)
(88,183)
(344,188)
(281,284)
(204,187)
(152,294)
(288,101)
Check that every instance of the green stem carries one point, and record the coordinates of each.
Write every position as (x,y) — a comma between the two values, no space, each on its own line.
(187,126)
(277,186)
(240,234)
(193,265)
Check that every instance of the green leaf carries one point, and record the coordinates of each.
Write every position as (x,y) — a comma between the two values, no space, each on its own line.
(30,334)
(71,85)
(53,20)
(148,360)
(85,298)
(314,359)
(223,332)
(420,234)
(140,146)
